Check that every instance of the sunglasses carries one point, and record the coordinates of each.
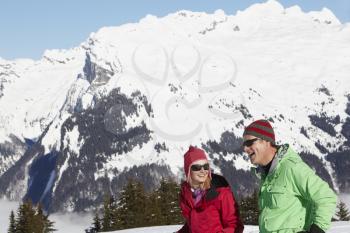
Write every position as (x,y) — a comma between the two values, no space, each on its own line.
(250,142)
(198,167)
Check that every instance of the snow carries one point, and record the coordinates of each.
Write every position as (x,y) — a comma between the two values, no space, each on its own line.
(33,100)
(272,69)
(72,140)
(196,70)
(60,172)
(337,227)
(48,185)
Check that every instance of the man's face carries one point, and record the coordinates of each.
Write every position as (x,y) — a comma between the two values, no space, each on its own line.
(257,150)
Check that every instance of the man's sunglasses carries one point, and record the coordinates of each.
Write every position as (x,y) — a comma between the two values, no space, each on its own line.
(250,142)
(198,167)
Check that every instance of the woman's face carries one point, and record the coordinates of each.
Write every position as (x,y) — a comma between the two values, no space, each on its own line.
(199,172)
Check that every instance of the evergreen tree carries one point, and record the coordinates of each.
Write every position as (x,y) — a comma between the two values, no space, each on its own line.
(132,205)
(31,220)
(12,227)
(49,225)
(138,204)
(25,218)
(43,221)
(97,224)
(115,216)
(343,213)
(107,213)
(38,223)
(169,202)
(135,208)
(249,209)
(153,214)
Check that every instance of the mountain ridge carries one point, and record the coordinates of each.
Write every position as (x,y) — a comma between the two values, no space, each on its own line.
(131,99)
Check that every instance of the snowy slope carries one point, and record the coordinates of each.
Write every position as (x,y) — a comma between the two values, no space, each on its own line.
(140,94)
(337,227)
(74,223)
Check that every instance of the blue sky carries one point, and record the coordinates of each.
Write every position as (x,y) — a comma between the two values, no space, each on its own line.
(27,28)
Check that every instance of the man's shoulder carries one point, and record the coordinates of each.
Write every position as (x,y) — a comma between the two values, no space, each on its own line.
(290,157)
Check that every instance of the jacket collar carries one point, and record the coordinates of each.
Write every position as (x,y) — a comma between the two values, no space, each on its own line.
(281,152)
(216,182)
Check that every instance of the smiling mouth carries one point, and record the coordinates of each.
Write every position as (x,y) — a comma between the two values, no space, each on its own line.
(250,155)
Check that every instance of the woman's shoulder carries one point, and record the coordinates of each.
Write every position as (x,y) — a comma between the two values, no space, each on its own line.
(219,181)
(219,186)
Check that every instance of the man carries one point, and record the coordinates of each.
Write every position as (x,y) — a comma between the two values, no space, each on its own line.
(292,197)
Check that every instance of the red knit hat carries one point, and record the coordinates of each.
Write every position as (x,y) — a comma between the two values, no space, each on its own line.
(192,155)
(261,129)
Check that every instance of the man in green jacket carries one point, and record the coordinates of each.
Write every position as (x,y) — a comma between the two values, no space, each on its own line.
(292,197)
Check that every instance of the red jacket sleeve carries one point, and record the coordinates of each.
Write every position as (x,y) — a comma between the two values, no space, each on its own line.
(230,213)
(185,209)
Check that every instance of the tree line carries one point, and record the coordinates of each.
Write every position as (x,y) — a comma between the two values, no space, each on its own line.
(136,208)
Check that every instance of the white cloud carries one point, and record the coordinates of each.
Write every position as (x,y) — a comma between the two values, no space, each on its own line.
(71,222)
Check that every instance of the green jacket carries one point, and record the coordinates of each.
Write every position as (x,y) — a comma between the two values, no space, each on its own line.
(292,196)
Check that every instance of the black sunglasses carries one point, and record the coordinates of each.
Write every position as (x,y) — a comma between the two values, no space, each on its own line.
(198,167)
(250,142)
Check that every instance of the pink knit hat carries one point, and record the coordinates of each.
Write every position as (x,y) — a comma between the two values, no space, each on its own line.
(192,155)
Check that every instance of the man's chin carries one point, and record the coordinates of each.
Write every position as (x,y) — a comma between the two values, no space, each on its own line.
(252,159)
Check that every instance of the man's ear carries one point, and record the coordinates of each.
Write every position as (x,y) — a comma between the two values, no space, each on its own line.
(271,144)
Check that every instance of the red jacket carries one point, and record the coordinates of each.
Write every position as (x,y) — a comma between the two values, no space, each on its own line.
(217,212)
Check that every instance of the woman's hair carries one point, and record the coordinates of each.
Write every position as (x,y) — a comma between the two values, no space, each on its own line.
(206,184)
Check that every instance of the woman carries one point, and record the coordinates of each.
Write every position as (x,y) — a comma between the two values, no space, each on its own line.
(206,200)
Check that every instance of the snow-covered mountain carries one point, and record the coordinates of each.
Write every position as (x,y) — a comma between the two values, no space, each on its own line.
(131,99)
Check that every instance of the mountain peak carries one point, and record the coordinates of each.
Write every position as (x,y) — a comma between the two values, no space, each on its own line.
(324,16)
(270,7)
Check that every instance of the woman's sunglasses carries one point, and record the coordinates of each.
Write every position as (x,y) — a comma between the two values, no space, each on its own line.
(250,142)
(198,167)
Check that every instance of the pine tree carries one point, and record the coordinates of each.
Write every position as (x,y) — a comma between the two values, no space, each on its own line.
(97,224)
(25,218)
(249,209)
(38,223)
(132,205)
(44,222)
(343,213)
(31,220)
(115,216)
(169,202)
(49,225)
(153,214)
(12,227)
(138,204)
(107,213)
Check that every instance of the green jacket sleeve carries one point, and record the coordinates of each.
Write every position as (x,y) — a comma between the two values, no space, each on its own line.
(316,192)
